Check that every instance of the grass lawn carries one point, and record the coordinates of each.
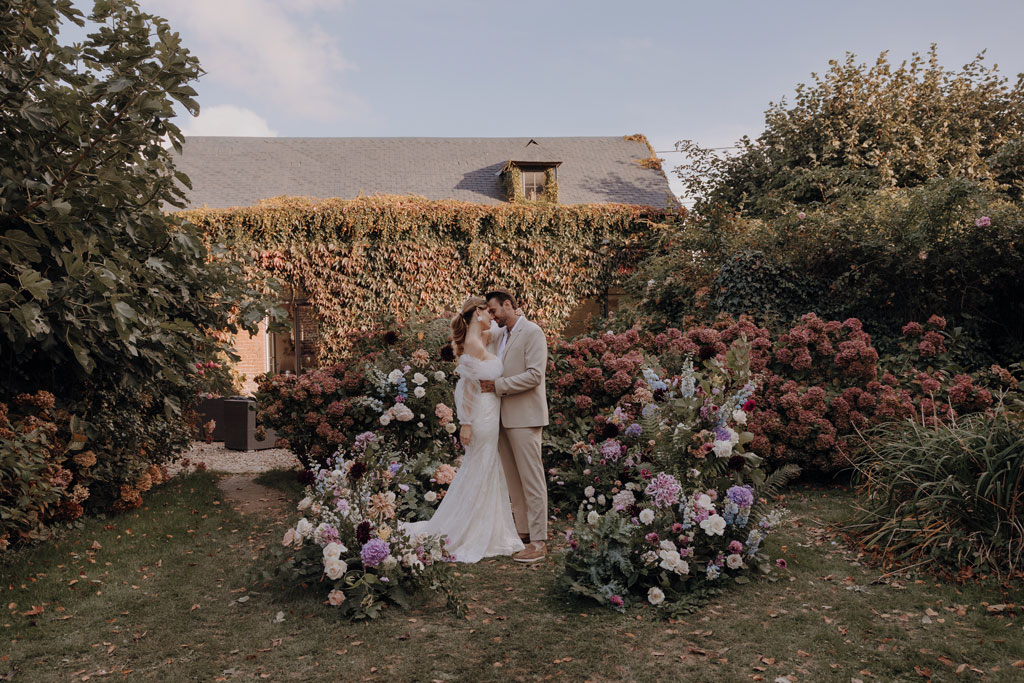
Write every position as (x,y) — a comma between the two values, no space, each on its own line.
(167,592)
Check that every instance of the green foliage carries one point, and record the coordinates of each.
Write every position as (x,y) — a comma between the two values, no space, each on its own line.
(857,129)
(750,283)
(949,496)
(105,300)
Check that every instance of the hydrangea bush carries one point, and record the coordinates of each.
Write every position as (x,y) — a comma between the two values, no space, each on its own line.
(348,544)
(674,505)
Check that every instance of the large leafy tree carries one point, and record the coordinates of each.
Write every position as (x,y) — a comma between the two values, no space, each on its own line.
(99,285)
(857,129)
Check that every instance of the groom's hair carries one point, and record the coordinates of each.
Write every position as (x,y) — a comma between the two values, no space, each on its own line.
(502,295)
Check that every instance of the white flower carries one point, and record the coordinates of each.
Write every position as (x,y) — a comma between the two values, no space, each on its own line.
(439,376)
(588,492)
(713,525)
(668,545)
(419,392)
(649,557)
(385,419)
(335,569)
(411,561)
(390,562)
(704,501)
(418,379)
(430,496)
(647,515)
(655,596)
(734,561)
(305,503)
(436,554)
(303,528)
(593,518)
(739,416)
(396,376)
(734,437)
(601,500)
(450,428)
(289,537)
(682,567)
(402,412)
(333,551)
(623,499)
(723,449)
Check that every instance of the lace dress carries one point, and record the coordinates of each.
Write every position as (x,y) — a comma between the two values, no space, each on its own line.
(476,514)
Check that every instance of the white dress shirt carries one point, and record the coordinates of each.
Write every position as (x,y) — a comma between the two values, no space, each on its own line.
(505,337)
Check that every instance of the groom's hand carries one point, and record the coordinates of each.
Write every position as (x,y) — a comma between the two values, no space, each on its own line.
(487,386)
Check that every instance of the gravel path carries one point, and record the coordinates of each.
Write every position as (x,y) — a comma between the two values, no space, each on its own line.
(220,459)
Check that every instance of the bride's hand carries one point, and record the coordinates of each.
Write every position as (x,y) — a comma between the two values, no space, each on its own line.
(466,434)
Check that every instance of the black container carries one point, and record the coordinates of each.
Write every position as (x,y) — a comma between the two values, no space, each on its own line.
(240,426)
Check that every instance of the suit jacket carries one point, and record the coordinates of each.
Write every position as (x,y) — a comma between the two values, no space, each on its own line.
(523,392)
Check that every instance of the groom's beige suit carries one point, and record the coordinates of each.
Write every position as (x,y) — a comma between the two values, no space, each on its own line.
(524,414)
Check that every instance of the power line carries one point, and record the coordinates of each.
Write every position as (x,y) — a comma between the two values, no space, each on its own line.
(677,151)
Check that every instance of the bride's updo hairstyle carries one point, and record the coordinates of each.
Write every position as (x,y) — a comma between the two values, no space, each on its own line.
(460,323)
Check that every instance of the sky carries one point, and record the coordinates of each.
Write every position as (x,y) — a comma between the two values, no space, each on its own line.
(671,70)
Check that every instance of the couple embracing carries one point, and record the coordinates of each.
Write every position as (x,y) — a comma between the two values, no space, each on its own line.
(498,502)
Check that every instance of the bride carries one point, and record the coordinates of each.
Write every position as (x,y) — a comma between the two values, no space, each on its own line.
(475,514)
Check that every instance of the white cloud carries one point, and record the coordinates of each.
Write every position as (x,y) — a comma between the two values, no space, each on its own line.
(267,50)
(227,119)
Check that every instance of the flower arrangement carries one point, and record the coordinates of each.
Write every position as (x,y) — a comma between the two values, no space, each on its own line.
(349,545)
(675,506)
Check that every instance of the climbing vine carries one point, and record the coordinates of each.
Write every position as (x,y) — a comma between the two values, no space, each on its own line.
(365,258)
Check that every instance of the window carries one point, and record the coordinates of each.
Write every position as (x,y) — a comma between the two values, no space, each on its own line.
(533,185)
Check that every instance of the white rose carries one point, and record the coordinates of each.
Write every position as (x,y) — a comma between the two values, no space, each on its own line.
(450,428)
(396,376)
(593,518)
(739,416)
(713,525)
(335,569)
(601,500)
(385,419)
(734,561)
(734,436)
(439,376)
(667,545)
(419,392)
(303,528)
(436,554)
(588,492)
(305,503)
(649,557)
(333,551)
(430,496)
(682,567)
(723,449)
(419,379)
(704,501)
(402,412)
(655,596)
(646,515)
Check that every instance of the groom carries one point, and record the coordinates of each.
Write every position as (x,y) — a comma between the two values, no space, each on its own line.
(523,350)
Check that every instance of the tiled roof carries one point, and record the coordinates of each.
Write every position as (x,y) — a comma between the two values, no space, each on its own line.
(240,171)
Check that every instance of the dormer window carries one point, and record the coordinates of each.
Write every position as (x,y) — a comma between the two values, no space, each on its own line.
(533,185)
(531,181)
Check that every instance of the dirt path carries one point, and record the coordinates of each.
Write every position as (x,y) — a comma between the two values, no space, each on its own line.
(246,496)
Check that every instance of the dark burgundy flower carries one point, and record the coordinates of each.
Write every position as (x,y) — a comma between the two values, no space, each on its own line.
(609,430)
(707,351)
(306,477)
(659,394)
(363,532)
(737,462)
(390,337)
(357,471)
(633,510)
(749,405)
(447,353)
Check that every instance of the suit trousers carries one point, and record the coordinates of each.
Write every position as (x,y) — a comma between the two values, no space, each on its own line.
(524,473)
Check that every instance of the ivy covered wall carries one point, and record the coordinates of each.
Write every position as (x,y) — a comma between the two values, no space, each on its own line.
(363,258)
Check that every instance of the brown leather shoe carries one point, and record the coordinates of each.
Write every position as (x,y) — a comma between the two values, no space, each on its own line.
(535,552)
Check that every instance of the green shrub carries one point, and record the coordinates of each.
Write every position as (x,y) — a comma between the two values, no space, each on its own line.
(950,497)
(751,283)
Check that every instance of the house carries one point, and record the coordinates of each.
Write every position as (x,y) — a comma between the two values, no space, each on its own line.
(241,171)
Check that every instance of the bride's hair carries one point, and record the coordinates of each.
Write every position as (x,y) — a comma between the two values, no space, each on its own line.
(460,323)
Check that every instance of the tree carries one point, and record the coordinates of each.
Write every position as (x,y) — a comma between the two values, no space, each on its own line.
(97,282)
(858,129)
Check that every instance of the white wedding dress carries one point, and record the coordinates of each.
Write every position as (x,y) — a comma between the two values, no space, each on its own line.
(476,514)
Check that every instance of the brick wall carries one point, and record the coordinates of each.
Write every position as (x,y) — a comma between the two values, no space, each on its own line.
(253,350)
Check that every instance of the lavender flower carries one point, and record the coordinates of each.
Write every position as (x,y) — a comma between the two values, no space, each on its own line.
(633,430)
(743,496)
(611,450)
(374,552)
